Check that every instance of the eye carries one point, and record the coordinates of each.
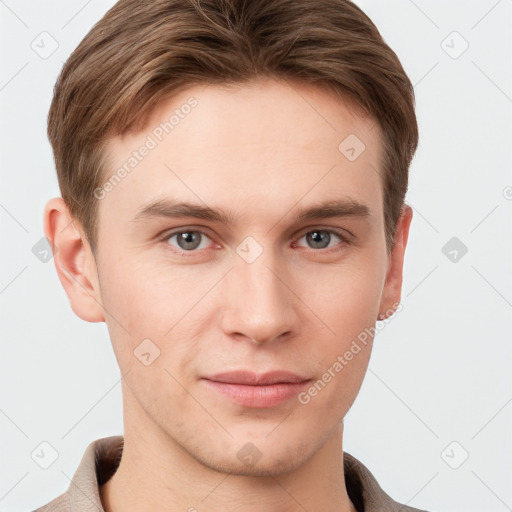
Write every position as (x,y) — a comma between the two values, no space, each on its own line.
(321,238)
(192,240)
(187,240)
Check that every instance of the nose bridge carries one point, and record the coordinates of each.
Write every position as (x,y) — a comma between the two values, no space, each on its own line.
(257,302)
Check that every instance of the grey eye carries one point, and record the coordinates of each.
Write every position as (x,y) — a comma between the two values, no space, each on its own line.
(188,240)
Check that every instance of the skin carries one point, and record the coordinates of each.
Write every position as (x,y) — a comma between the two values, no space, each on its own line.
(260,151)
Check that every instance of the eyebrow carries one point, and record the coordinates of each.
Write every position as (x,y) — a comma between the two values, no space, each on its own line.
(167,208)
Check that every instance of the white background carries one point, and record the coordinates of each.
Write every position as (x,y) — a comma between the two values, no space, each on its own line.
(440,370)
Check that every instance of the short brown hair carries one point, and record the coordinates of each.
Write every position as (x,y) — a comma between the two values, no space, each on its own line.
(142,52)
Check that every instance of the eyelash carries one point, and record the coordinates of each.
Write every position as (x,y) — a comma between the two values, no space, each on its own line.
(165,238)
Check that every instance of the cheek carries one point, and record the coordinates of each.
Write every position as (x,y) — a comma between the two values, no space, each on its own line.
(342,361)
(347,297)
(347,303)
(149,302)
(146,298)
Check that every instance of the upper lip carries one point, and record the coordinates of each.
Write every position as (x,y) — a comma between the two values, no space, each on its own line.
(255,379)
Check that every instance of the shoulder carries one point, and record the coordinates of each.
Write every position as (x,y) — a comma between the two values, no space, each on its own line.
(365,492)
(59,504)
(99,462)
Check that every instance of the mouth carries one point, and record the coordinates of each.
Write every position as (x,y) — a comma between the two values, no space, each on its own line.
(249,389)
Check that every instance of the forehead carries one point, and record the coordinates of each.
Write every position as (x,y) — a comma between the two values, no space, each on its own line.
(267,144)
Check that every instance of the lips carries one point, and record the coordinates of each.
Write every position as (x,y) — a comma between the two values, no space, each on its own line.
(249,389)
(249,378)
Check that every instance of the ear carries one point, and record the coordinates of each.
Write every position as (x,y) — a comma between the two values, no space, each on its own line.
(74,261)
(392,292)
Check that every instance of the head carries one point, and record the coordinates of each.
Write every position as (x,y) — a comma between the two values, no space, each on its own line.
(256,113)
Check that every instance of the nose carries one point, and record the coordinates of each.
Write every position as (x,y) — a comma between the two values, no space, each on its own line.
(258,303)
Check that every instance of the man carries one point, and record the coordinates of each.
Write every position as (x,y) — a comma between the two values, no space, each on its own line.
(233,176)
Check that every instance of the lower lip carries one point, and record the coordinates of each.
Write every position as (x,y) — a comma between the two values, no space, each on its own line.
(258,396)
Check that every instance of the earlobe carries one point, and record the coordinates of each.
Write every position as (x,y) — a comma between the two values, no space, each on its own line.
(392,292)
(74,261)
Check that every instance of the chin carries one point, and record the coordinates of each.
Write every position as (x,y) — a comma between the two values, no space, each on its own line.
(265,467)
(256,456)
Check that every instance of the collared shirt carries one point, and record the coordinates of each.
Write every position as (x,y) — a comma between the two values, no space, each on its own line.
(102,457)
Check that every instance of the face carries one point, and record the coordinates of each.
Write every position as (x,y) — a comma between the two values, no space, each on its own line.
(256,288)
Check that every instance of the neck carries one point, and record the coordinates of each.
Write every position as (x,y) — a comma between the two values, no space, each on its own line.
(156,472)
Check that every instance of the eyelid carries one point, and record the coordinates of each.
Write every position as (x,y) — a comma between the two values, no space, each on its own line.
(342,233)
(168,234)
